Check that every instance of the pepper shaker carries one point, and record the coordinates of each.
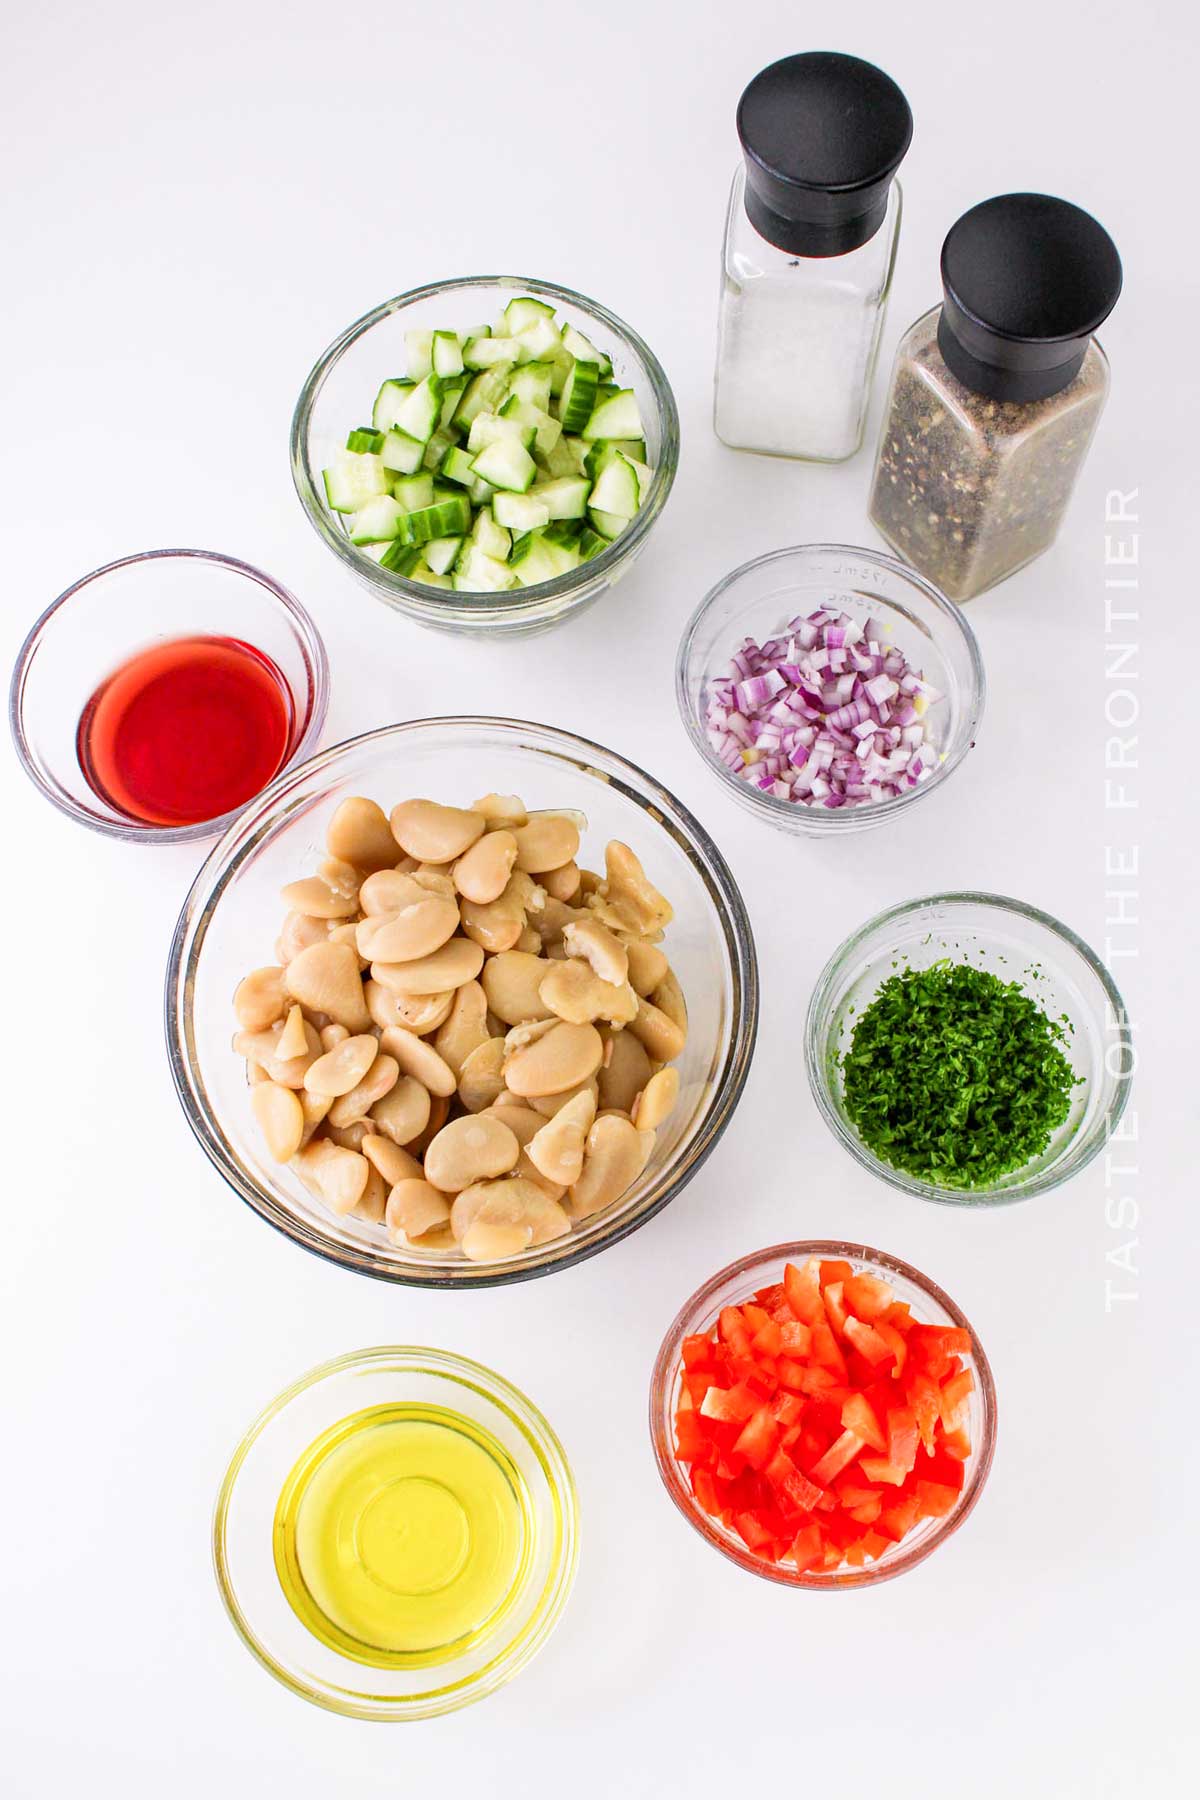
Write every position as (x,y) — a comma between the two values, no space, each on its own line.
(810,244)
(996,393)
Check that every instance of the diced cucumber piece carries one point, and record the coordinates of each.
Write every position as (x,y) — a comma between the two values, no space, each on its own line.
(488,352)
(538,341)
(441,552)
(414,492)
(563,531)
(445,518)
(401,453)
(533,383)
(615,417)
(519,314)
(490,428)
(521,512)
(616,489)
(535,559)
(599,454)
(388,402)
(364,439)
(420,411)
(583,350)
(564,498)
(474,331)
(506,464)
(443,439)
(401,558)
(546,431)
(483,393)
(645,475)
(492,539)
(456,466)
(590,543)
(566,458)
(609,525)
(482,492)
(430,578)
(353,480)
(481,573)
(377,521)
(447,354)
(578,397)
(452,393)
(419,345)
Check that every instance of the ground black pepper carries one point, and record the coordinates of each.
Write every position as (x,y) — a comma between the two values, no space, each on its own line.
(969,489)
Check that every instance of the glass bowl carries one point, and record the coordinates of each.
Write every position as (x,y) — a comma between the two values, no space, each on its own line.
(231,919)
(106,618)
(736,1284)
(341,388)
(1015,942)
(246,1539)
(757,599)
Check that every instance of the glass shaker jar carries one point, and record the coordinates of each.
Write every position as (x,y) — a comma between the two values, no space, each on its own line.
(996,393)
(810,243)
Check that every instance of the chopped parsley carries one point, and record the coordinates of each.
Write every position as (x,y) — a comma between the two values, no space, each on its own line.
(955,1076)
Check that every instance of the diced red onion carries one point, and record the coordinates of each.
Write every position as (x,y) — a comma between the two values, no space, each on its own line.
(825,713)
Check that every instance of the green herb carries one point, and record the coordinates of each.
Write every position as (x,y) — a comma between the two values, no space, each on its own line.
(956,1076)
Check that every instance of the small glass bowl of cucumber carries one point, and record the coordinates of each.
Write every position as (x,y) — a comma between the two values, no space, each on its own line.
(486,454)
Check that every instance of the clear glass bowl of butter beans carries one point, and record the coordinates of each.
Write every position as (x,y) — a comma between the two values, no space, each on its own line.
(461,1001)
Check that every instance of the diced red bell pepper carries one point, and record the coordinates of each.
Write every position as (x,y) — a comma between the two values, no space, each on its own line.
(858,1415)
(752,1532)
(697,1352)
(794,1339)
(803,1290)
(868,1343)
(897,1521)
(936,1501)
(879,1468)
(867,1297)
(902,1437)
(868,1512)
(834,1269)
(767,1340)
(808,1547)
(791,1485)
(758,1440)
(691,1442)
(895,1341)
(835,1459)
(729,1405)
(956,1444)
(955,1394)
(771,1297)
(899,1314)
(925,1398)
(835,1310)
(826,1350)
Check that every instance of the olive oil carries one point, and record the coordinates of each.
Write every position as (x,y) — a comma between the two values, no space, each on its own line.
(403,1535)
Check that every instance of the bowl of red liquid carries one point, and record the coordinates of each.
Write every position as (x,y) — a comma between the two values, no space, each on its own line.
(157,696)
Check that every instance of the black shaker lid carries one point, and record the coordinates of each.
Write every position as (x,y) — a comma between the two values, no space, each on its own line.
(1027,280)
(823,135)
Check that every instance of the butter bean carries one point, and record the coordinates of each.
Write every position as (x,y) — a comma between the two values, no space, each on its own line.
(343,1067)
(418,1058)
(280,1118)
(259,999)
(455,963)
(503,812)
(656,1100)
(292,1039)
(647,966)
(605,954)
(562,1058)
(481,1078)
(659,1035)
(326,978)
(316,899)
(379,1080)
(615,1155)
(403,1112)
(466,1027)
(393,1163)
(574,992)
(336,1176)
(359,833)
(556,1151)
(547,842)
(418,1013)
(415,1207)
(434,833)
(512,981)
(418,930)
(468,1150)
(481,873)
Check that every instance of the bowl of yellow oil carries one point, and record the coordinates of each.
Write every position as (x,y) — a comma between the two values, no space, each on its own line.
(396,1534)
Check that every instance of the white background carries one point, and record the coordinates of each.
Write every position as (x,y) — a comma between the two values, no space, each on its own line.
(196,201)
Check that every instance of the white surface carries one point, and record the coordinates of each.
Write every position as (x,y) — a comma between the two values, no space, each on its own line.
(197,201)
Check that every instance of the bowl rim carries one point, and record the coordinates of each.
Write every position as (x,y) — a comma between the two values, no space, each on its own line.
(662,1381)
(463,1371)
(191,928)
(316,660)
(515,603)
(1050,1178)
(815,819)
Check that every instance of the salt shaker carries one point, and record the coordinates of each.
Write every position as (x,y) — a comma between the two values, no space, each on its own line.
(810,243)
(996,393)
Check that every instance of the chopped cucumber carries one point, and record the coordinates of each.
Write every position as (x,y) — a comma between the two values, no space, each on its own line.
(401,558)
(617,416)
(401,453)
(487,352)
(616,490)
(389,400)
(565,498)
(506,455)
(578,397)
(519,314)
(364,438)
(581,349)
(419,345)
(441,552)
(421,409)
(447,354)
(521,512)
(353,480)
(492,539)
(456,466)
(376,522)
